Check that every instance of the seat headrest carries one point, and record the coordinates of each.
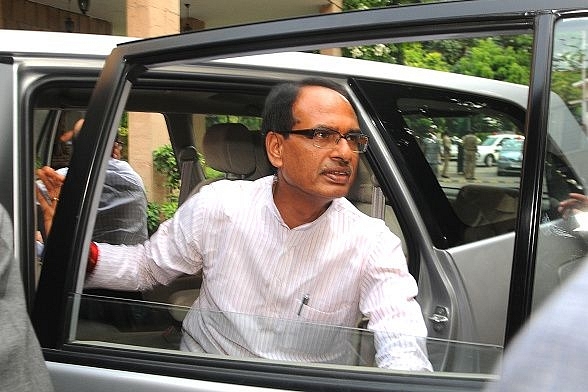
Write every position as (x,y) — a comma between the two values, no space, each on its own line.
(263,167)
(478,205)
(229,147)
(362,188)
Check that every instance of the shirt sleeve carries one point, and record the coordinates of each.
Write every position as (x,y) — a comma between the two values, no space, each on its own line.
(388,294)
(172,251)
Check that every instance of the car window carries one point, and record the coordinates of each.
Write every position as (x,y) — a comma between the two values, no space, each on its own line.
(229,147)
(466,209)
(512,145)
(562,242)
(489,141)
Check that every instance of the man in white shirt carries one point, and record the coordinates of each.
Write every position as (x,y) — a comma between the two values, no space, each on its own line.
(289,265)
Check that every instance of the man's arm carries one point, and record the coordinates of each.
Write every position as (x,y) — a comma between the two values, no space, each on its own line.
(388,299)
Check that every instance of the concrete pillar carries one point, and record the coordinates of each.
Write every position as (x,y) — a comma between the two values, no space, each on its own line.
(332,6)
(152,18)
(147,132)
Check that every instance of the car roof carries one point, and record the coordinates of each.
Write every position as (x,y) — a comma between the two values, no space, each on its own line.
(23,42)
(345,66)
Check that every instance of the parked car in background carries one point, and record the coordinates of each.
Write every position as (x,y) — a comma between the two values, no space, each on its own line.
(510,160)
(490,148)
(466,243)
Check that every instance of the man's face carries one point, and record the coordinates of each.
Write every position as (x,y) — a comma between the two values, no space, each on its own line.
(320,173)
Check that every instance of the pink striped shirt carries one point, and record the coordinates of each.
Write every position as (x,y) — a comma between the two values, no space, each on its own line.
(274,292)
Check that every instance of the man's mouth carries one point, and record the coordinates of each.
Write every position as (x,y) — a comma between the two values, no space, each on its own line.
(339,176)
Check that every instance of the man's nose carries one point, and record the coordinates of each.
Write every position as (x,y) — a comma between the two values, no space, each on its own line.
(343,148)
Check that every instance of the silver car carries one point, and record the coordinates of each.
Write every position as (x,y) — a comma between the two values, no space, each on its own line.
(511,157)
(467,243)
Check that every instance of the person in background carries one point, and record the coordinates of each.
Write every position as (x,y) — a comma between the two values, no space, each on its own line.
(122,212)
(286,258)
(446,141)
(460,157)
(470,149)
(22,368)
(121,219)
(432,150)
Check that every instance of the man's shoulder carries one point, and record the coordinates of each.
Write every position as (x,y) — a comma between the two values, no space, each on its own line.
(225,190)
(345,209)
(119,168)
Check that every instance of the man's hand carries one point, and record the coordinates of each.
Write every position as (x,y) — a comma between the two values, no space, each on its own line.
(576,203)
(53,182)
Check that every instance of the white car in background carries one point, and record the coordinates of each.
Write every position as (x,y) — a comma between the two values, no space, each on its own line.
(489,149)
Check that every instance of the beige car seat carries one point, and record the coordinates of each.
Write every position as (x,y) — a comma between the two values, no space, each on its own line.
(239,153)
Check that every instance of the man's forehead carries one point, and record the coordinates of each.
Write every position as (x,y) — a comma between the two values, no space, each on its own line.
(313,90)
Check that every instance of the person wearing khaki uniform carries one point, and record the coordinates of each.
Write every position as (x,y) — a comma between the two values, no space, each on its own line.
(470,148)
(446,140)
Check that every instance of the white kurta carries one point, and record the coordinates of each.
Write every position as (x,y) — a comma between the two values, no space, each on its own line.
(257,272)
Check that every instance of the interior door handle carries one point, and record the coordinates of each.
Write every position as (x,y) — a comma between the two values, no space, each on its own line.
(440,318)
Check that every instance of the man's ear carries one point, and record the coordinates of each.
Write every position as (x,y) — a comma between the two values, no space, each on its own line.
(273,146)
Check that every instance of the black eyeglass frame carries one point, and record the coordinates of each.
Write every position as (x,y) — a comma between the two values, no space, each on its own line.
(311,133)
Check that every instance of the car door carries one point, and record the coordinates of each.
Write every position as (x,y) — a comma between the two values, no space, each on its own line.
(463,274)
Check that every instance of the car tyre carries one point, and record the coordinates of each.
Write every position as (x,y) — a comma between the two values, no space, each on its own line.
(489,160)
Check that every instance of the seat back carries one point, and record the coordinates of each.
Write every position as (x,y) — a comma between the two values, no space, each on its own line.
(238,152)
(366,196)
(229,148)
(486,211)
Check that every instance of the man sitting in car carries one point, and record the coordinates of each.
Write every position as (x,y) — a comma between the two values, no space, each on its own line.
(286,259)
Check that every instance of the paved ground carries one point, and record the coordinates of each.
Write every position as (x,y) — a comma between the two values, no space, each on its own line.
(483,175)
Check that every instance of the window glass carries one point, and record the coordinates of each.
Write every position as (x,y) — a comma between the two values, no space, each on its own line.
(562,243)
(474,205)
(314,342)
(229,147)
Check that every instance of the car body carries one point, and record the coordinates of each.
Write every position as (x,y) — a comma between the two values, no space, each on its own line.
(490,148)
(511,157)
(467,244)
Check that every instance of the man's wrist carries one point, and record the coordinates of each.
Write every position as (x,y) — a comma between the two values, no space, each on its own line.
(92,258)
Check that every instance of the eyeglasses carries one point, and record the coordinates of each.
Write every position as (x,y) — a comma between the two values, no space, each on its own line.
(328,138)
(118,143)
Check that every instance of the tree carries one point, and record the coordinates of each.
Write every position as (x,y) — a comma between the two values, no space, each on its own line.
(489,59)
(505,58)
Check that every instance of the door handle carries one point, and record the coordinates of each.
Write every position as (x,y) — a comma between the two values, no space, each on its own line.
(440,318)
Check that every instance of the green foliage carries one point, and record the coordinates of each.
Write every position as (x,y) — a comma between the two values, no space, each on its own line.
(252,123)
(164,162)
(562,83)
(506,58)
(416,56)
(365,4)
(158,213)
(123,135)
(153,217)
(489,58)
